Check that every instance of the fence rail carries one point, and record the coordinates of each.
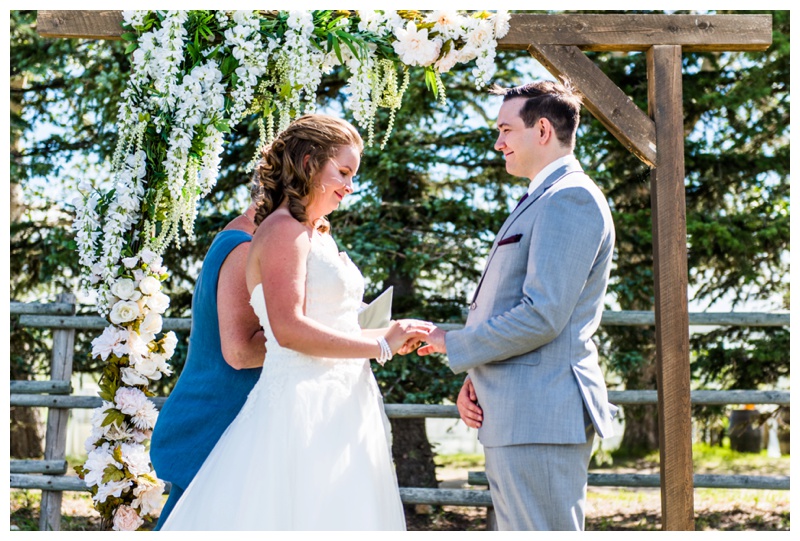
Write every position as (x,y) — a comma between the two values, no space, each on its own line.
(620,398)
(49,475)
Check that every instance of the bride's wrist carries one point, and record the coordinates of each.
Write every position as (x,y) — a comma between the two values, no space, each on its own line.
(385,351)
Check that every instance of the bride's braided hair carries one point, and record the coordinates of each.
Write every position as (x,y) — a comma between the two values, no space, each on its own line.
(281,173)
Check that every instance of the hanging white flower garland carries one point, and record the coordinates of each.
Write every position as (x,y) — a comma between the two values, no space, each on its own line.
(246,62)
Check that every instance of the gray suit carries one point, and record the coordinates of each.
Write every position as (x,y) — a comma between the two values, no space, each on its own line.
(528,347)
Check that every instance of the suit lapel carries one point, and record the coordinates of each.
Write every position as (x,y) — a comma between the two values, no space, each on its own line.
(551,179)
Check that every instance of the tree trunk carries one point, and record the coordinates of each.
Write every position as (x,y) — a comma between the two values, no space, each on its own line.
(641,422)
(25,439)
(413,455)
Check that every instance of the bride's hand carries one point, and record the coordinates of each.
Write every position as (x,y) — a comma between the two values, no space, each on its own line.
(406,335)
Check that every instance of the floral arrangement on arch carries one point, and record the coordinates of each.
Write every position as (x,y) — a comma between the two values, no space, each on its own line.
(194,74)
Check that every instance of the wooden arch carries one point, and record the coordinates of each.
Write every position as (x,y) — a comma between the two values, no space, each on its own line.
(655,137)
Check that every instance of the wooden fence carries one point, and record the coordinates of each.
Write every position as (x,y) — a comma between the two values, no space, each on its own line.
(49,474)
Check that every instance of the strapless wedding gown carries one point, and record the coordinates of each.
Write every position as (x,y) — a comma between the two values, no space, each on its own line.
(311,447)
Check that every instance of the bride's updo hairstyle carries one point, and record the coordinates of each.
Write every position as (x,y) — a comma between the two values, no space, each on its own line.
(281,173)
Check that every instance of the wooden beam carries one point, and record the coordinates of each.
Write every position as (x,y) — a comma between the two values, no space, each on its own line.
(590,32)
(668,201)
(603,98)
(89,24)
(639,32)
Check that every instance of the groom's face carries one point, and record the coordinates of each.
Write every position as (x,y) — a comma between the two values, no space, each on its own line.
(515,141)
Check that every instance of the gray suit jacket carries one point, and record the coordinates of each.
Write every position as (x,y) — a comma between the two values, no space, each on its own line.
(527,342)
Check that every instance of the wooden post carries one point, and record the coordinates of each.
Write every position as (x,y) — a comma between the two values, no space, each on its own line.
(56,435)
(668,200)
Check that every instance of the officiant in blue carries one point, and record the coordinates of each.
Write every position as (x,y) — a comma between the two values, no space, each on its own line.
(226,352)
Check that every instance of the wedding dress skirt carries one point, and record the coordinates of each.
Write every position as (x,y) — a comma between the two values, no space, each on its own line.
(311,447)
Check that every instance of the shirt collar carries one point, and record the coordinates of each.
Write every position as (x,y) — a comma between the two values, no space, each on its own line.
(548,169)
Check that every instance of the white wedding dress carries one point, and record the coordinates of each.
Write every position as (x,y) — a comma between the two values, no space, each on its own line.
(311,447)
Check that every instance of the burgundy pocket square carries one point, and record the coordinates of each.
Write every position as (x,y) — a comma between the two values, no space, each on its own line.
(510,240)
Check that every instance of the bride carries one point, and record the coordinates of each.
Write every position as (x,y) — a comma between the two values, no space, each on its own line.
(310,449)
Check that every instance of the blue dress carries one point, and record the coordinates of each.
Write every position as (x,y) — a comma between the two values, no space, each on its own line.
(209,392)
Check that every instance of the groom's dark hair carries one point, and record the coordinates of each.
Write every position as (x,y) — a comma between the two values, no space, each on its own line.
(558,103)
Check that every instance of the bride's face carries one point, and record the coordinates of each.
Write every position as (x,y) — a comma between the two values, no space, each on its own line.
(333,182)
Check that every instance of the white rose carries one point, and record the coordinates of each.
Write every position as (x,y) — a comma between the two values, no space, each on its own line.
(151,324)
(158,302)
(131,377)
(149,285)
(168,343)
(123,288)
(124,311)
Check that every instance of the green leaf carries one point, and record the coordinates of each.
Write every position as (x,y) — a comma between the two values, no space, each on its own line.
(131,47)
(112,473)
(130,36)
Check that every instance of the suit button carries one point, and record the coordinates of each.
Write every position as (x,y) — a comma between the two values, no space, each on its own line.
(473,306)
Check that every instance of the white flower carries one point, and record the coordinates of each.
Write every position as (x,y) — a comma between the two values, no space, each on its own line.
(148,495)
(123,288)
(149,285)
(501,23)
(158,302)
(147,255)
(126,519)
(151,325)
(481,34)
(137,346)
(123,312)
(135,457)
(129,400)
(130,262)
(111,341)
(131,377)
(446,22)
(169,342)
(146,417)
(447,61)
(97,461)
(414,47)
(114,488)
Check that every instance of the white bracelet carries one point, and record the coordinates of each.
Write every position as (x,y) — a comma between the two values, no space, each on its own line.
(386,351)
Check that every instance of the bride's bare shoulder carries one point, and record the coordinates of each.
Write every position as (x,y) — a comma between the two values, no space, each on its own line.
(281,228)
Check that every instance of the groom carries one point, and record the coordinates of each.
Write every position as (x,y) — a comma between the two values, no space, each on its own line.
(534,388)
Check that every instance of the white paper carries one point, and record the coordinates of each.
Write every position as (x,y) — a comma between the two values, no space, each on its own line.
(378,313)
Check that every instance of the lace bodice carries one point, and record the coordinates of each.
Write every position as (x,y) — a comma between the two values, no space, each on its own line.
(334,290)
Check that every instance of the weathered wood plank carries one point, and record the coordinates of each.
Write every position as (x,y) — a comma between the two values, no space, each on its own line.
(92,322)
(603,98)
(638,32)
(53,467)
(41,387)
(620,398)
(761,482)
(590,32)
(89,24)
(55,443)
(51,309)
(668,200)
(446,496)
(700,319)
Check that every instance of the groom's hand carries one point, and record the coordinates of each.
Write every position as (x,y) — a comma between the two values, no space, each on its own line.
(434,343)
(467,404)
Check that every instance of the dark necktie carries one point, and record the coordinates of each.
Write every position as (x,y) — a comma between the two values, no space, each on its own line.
(524,197)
